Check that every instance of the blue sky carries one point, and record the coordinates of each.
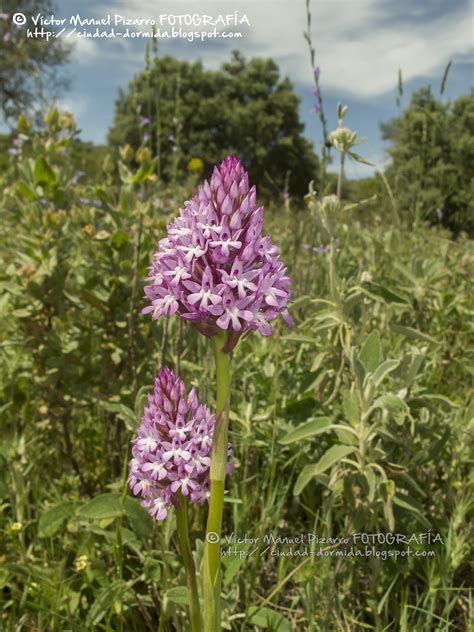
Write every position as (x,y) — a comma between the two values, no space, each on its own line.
(360,45)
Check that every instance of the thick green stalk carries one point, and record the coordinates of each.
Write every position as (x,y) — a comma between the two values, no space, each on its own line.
(212,549)
(183,532)
(340,177)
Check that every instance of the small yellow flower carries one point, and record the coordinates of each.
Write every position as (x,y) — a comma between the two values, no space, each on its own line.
(126,153)
(89,230)
(81,563)
(195,165)
(66,120)
(23,125)
(16,526)
(43,410)
(102,234)
(143,154)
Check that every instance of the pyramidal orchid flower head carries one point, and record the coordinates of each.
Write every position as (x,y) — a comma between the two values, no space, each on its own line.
(214,268)
(171,452)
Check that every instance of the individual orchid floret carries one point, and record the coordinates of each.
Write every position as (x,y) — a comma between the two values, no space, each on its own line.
(171,452)
(214,268)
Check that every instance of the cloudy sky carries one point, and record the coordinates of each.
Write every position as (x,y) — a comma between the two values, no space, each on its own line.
(360,45)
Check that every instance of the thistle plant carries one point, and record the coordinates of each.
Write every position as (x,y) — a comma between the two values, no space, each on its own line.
(217,271)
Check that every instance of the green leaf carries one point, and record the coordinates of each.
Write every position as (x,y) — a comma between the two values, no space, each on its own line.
(416,360)
(371,352)
(126,414)
(395,405)
(329,458)
(178,594)
(233,563)
(119,239)
(145,171)
(103,506)
(268,619)
(52,519)
(104,601)
(127,198)
(359,158)
(371,483)
(24,190)
(317,362)
(299,338)
(433,401)
(152,569)
(383,370)
(379,292)
(309,429)
(359,371)
(92,298)
(350,406)
(413,334)
(126,176)
(43,172)
(138,518)
(409,504)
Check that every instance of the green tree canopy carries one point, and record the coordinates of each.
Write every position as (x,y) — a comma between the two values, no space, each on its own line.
(243,108)
(28,65)
(433,159)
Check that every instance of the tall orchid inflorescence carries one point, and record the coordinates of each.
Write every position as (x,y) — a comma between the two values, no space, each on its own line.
(214,268)
(172,447)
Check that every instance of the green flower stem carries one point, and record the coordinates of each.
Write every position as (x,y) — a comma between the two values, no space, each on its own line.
(340,178)
(183,532)
(212,548)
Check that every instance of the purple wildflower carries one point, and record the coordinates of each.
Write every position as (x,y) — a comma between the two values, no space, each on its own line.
(84,200)
(171,452)
(316,109)
(146,137)
(143,120)
(18,142)
(7,37)
(322,248)
(4,16)
(215,268)
(76,176)
(316,91)
(317,72)
(13,151)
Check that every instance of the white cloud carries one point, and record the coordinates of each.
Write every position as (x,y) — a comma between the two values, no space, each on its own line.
(78,106)
(360,44)
(84,50)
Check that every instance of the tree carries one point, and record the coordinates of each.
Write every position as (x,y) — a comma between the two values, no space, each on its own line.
(242,108)
(432,155)
(28,65)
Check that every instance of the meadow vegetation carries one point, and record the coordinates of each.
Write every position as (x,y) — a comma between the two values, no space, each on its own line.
(358,419)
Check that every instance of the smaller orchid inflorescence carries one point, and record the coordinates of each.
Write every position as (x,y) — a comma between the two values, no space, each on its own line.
(171,453)
(215,268)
